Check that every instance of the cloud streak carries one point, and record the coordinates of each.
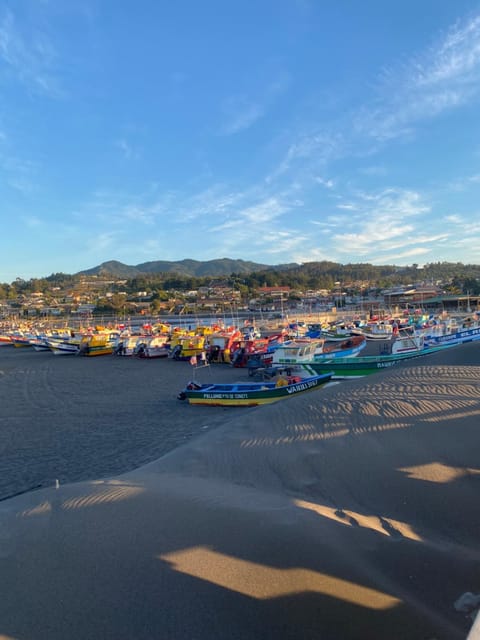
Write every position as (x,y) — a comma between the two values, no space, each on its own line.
(30,57)
(242,112)
(444,77)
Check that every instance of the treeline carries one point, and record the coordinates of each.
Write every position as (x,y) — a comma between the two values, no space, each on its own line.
(455,277)
(320,275)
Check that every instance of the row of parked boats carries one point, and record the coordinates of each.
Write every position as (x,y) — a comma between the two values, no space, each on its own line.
(225,343)
(310,362)
(299,357)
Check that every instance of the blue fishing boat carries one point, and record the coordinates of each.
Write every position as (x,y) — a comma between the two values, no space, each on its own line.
(452,331)
(250,394)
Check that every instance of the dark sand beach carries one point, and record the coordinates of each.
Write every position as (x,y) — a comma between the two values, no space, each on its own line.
(69,418)
(347,513)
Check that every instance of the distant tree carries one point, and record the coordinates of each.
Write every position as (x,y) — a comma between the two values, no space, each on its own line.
(471,286)
(455,287)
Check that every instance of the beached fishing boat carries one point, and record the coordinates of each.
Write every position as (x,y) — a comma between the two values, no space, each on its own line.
(299,351)
(21,339)
(333,331)
(335,334)
(220,345)
(183,347)
(5,340)
(153,347)
(250,394)
(242,350)
(406,342)
(39,341)
(98,344)
(59,347)
(126,345)
(452,331)
(374,331)
(363,365)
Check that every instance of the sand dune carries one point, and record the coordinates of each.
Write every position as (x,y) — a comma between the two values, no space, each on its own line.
(350,512)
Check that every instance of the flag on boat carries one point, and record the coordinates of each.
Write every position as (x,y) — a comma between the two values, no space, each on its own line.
(193,360)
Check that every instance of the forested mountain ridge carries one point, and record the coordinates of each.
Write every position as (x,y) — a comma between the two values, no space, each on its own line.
(195,268)
(309,270)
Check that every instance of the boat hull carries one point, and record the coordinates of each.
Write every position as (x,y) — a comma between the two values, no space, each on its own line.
(361,366)
(460,337)
(250,395)
(305,351)
(346,348)
(63,347)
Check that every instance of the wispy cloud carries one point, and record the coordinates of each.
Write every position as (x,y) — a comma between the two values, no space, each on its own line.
(257,214)
(455,59)
(324,182)
(18,173)
(310,152)
(398,256)
(103,243)
(31,221)
(373,170)
(22,185)
(241,114)
(212,203)
(347,206)
(128,152)
(384,219)
(241,111)
(116,210)
(443,77)
(463,183)
(30,56)
(454,218)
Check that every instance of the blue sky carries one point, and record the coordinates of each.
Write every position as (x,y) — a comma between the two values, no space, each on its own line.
(274,131)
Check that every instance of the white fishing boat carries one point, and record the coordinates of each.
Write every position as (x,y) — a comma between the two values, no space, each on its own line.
(374,331)
(407,343)
(153,347)
(300,351)
(127,345)
(59,347)
(39,341)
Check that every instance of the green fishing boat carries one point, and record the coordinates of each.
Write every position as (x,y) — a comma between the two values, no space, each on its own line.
(360,366)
